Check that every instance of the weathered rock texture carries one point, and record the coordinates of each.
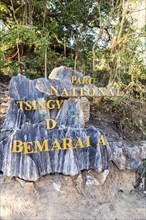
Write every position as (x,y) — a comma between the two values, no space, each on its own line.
(68,162)
(30,126)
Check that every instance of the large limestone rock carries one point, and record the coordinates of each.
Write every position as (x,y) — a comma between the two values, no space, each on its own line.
(129,156)
(64,73)
(40,90)
(68,162)
(71,118)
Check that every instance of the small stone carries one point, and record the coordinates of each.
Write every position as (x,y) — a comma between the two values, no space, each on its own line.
(90,180)
(101,177)
(57,186)
(79,183)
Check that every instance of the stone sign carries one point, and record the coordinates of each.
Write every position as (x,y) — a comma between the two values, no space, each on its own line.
(44,131)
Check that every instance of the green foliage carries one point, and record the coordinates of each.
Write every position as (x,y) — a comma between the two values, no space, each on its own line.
(127,114)
(68,33)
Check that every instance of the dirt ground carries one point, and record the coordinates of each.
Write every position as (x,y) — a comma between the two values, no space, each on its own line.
(59,197)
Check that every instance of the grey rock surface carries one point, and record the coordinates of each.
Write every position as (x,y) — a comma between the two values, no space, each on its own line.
(129,156)
(29,126)
(15,117)
(21,88)
(66,118)
(68,162)
(64,73)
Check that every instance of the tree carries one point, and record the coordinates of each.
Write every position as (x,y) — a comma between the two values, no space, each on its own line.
(97,37)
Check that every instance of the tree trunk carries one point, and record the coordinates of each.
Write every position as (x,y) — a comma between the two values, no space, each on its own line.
(46,63)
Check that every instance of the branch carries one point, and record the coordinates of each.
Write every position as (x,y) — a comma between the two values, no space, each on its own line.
(17,5)
(8,3)
(52,14)
(124,12)
(98,37)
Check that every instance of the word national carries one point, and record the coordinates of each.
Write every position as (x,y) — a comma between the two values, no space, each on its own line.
(84,92)
(35,146)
